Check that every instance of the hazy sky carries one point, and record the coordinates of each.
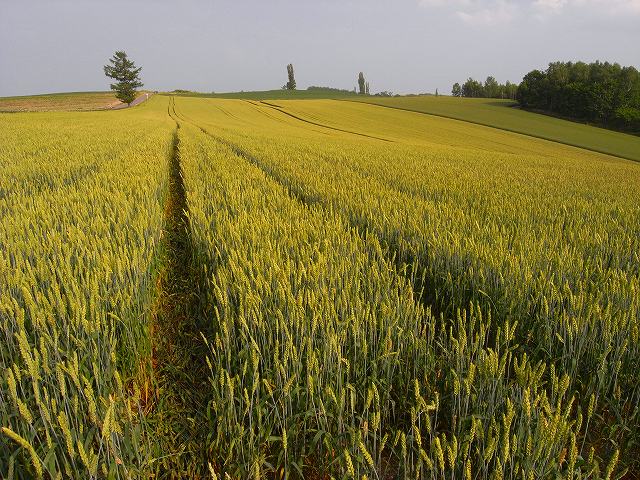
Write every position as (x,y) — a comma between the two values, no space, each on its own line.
(215,45)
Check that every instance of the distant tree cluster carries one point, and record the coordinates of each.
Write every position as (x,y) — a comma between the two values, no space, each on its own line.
(604,93)
(489,89)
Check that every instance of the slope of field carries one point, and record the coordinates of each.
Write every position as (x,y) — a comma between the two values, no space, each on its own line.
(73,101)
(501,114)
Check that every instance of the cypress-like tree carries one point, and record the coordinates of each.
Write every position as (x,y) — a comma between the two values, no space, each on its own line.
(126,74)
(291,83)
(361,84)
(366,89)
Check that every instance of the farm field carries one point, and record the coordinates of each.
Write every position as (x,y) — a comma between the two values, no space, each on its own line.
(80,223)
(76,101)
(312,93)
(501,114)
(226,288)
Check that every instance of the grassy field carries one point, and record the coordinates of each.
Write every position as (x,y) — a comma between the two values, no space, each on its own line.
(502,114)
(272,94)
(227,288)
(72,101)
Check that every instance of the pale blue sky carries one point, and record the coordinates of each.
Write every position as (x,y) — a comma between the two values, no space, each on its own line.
(215,45)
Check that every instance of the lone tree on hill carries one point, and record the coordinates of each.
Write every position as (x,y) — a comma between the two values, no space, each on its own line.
(361,83)
(291,83)
(126,74)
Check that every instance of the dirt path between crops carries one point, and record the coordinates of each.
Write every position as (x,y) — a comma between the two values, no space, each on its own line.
(178,416)
(139,99)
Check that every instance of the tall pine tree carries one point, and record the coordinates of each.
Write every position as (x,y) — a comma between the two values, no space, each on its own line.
(126,74)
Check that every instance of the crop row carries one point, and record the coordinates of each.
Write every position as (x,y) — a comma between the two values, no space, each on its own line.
(541,242)
(80,219)
(322,362)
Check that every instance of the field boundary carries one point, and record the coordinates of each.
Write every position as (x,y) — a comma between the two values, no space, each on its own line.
(70,106)
(505,129)
(139,100)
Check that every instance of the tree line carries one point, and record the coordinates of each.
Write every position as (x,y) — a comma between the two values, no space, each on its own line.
(489,89)
(604,93)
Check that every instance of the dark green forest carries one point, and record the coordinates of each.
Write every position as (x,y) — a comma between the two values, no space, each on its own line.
(602,93)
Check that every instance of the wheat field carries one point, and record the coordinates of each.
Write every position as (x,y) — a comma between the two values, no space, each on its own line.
(218,288)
